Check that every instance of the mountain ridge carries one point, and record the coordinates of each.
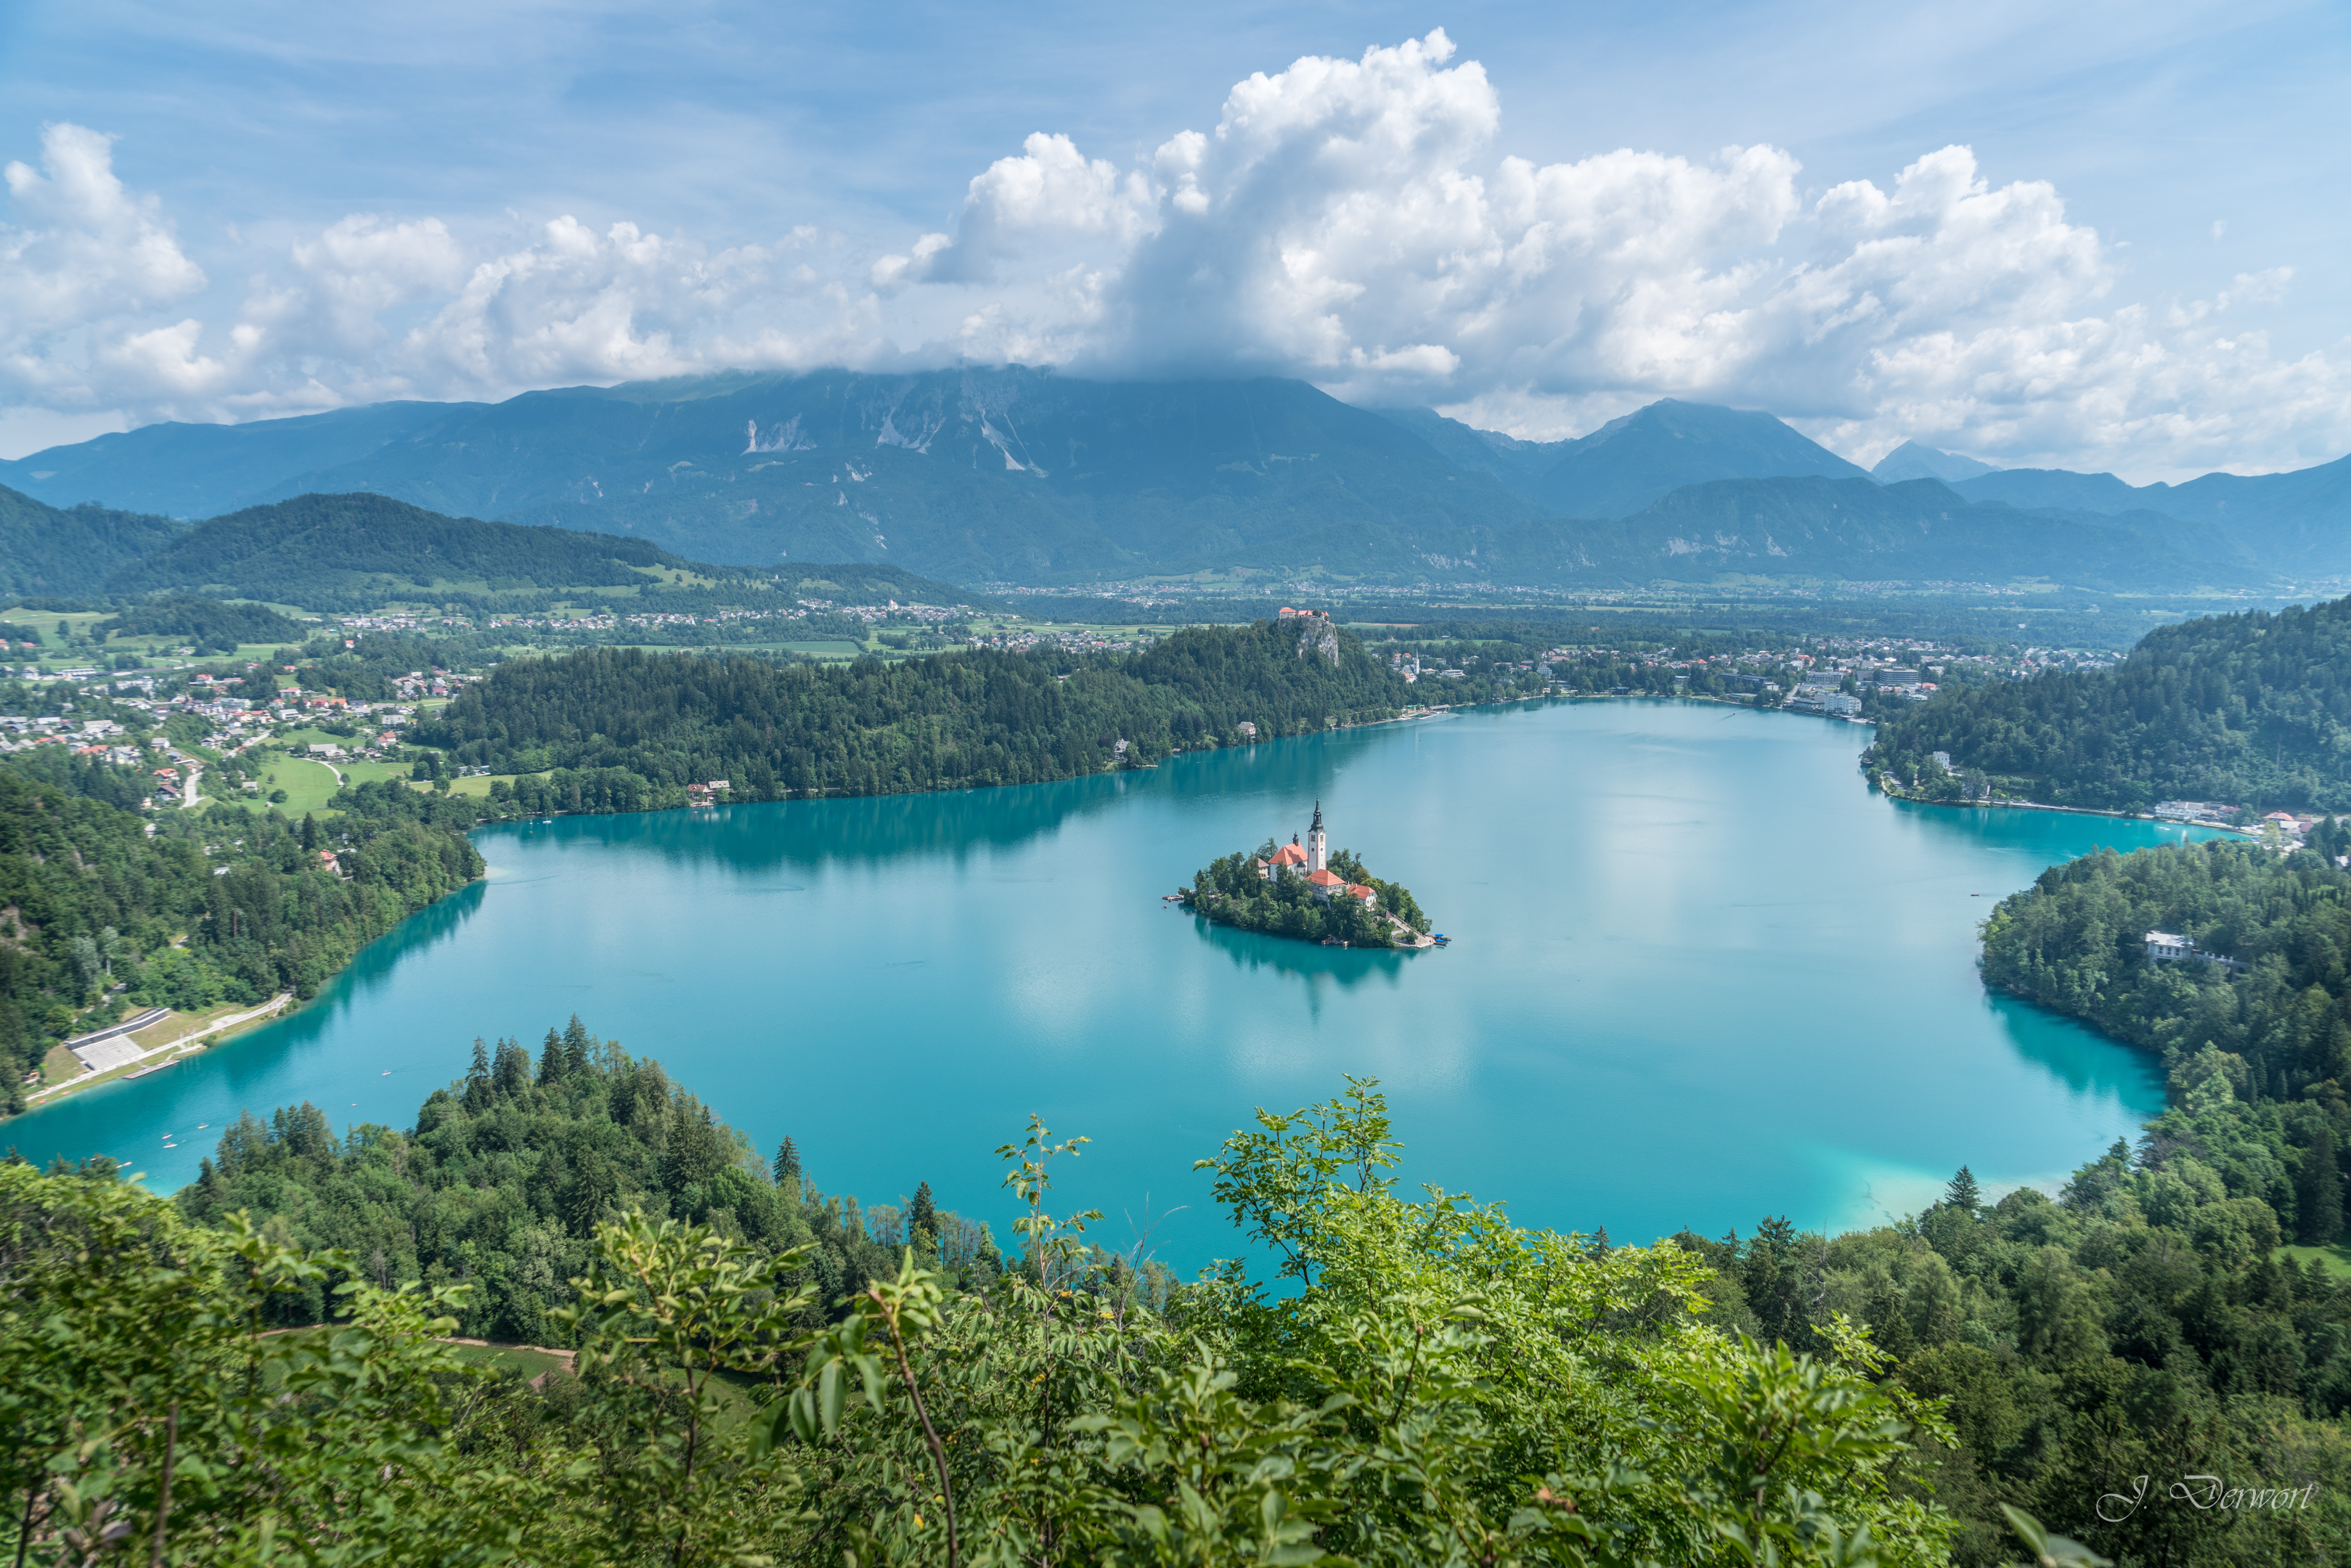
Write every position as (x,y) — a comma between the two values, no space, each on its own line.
(71,550)
(1010,475)
(1644,457)
(1811,528)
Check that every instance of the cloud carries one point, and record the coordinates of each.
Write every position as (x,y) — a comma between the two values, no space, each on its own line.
(88,253)
(1350,222)
(1049,197)
(1358,223)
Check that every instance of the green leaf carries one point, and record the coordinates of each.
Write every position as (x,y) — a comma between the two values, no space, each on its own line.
(802,1415)
(827,1396)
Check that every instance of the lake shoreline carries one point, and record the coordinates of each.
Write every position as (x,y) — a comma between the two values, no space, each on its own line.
(992,938)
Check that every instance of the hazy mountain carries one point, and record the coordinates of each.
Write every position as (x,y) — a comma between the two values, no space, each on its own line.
(1808,528)
(2298,522)
(1014,474)
(47,550)
(1628,463)
(1913,460)
(1521,464)
(970,475)
(202,470)
(2056,488)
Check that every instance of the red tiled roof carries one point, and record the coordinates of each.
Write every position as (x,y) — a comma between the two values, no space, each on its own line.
(1327,879)
(1289,854)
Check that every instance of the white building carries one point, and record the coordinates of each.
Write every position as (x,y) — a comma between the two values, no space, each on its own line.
(2169,948)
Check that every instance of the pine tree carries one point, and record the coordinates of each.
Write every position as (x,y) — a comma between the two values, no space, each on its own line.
(788,1163)
(922,1217)
(477,1077)
(310,834)
(1963,1194)
(576,1043)
(2318,1191)
(550,1059)
(510,1068)
(1600,1248)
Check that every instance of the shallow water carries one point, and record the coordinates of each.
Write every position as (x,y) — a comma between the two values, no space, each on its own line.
(1700,973)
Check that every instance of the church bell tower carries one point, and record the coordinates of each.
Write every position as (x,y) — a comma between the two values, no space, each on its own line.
(1318,849)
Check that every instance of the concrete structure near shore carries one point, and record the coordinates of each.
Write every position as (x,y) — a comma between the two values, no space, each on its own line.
(2169,947)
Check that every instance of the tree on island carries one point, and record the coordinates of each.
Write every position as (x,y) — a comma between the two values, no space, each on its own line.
(1232,891)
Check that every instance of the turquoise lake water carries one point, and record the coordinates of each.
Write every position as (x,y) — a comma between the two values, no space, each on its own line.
(1701,973)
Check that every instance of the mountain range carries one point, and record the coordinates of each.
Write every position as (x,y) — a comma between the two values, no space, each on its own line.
(1012,474)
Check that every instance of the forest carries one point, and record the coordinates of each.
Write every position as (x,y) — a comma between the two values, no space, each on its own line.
(762,1371)
(641,727)
(2249,710)
(210,625)
(505,1173)
(1231,891)
(2276,1033)
(355,552)
(99,919)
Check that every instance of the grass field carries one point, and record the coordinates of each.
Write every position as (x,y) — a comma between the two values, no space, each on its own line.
(518,1359)
(478,786)
(514,1358)
(309,785)
(295,740)
(2336,1259)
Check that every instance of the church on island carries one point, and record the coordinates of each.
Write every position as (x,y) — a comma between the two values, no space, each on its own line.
(1312,861)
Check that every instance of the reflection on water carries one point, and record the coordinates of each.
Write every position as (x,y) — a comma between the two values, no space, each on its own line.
(1253,952)
(2077,1058)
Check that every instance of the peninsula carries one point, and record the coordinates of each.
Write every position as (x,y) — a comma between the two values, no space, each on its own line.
(1305,891)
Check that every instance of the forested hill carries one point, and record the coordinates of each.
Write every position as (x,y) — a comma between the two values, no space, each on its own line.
(212,624)
(215,907)
(2247,710)
(322,551)
(51,550)
(2278,1032)
(947,722)
(1417,1372)
(507,1171)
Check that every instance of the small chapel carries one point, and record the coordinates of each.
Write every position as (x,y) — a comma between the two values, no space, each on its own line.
(1312,861)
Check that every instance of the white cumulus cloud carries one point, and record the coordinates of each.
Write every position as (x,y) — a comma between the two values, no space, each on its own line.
(83,253)
(1360,223)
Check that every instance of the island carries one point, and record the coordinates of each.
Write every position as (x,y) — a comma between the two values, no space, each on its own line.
(1307,892)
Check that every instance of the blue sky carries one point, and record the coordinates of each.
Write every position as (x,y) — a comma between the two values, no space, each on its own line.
(238,211)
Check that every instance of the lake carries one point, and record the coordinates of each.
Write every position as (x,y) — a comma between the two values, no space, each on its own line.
(1701,973)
